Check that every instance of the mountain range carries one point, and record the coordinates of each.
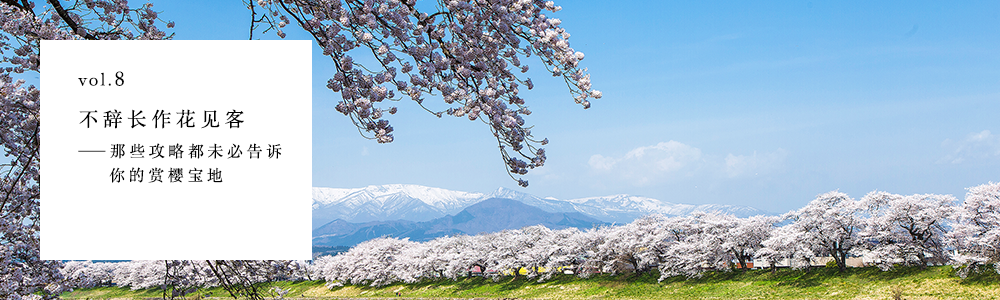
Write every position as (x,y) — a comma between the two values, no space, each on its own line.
(420,204)
(490,215)
(388,202)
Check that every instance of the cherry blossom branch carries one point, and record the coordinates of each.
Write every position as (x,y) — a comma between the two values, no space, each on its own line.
(24,169)
(464,52)
(69,20)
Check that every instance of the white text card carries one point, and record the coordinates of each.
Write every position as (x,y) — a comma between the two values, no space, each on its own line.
(175,150)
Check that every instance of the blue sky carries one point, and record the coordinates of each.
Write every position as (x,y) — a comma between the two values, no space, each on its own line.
(760,104)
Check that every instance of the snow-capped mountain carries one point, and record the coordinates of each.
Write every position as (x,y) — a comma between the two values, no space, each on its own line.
(421,203)
(388,202)
(621,208)
(546,204)
(625,208)
(490,215)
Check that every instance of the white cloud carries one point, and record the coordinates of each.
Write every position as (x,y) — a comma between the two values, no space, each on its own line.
(975,146)
(980,137)
(665,156)
(601,162)
(750,165)
(670,160)
(647,164)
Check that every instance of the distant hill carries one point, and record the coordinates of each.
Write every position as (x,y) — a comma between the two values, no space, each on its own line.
(491,215)
(420,203)
(388,202)
(318,251)
(623,208)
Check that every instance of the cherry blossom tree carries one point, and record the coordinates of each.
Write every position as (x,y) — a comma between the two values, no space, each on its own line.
(683,254)
(502,251)
(785,244)
(140,274)
(711,241)
(579,251)
(830,225)
(22,25)
(672,260)
(562,249)
(746,237)
(536,247)
(373,262)
(430,259)
(459,254)
(633,247)
(906,229)
(977,232)
(86,274)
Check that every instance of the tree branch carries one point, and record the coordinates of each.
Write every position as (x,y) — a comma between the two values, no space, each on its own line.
(23,5)
(23,169)
(253,14)
(64,15)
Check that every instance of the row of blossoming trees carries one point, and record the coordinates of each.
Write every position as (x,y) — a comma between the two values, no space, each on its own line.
(884,229)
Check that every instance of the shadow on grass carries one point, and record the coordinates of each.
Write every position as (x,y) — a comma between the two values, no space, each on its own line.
(798,279)
(812,277)
(984,276)
(874,273)
(467,284)
(781,277)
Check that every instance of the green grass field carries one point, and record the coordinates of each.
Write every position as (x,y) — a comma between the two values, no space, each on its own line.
(822,283)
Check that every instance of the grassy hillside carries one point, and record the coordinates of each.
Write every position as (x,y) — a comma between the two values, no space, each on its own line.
(824,283)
